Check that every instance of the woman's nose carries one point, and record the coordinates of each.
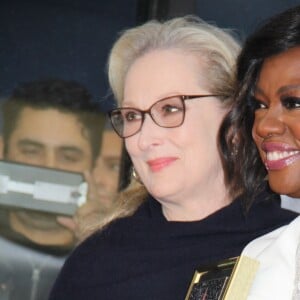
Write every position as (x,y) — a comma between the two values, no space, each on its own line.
(150,133)
(270,123)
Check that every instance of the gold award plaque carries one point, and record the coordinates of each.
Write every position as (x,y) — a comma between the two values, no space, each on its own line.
(230,279)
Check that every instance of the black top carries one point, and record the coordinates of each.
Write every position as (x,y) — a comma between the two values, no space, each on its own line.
(147,257)
(27,270)
(11,235)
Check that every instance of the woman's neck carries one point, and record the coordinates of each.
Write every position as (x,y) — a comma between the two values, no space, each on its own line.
(196,208)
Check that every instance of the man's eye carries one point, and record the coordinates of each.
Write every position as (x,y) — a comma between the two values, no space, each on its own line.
(70,158)
(291,102)
(29,151)
(113,166)
(132,116)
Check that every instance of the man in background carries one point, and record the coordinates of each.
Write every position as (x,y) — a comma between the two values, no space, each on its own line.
(107,170)
(51,123)
(104,181)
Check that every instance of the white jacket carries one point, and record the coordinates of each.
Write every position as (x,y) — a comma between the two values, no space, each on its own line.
(277,254)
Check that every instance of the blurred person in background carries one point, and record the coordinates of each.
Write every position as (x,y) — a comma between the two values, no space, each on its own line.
(107,170)
(105,179)
(50,123)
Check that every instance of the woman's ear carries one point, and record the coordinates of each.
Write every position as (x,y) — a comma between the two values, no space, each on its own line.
(1,147)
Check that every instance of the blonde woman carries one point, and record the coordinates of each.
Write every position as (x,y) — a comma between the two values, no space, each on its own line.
(174,83)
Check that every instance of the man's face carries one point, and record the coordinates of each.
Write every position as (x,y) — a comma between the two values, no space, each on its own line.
(52,139)
(107,169)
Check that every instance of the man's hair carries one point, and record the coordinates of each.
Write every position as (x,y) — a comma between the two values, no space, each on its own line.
(69,97)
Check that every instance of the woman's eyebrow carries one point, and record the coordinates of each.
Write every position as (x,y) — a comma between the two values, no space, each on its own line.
(258,90)
(287,88)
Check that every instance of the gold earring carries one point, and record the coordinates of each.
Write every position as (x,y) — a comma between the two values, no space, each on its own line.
(135,175)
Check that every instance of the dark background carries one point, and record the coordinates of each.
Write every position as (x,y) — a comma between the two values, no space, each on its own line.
(71,38)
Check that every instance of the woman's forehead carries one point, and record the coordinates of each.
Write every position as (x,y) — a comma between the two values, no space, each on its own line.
(163,73)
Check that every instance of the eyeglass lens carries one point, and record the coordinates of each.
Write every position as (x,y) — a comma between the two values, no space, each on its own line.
(168,112)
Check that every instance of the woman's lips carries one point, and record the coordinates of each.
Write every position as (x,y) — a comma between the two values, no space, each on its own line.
(279,155)
(160,163)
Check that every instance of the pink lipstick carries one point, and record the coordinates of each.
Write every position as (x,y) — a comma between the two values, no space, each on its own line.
(158,164)
(279,155)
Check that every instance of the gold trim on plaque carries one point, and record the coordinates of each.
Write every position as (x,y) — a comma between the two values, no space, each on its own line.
(229,279)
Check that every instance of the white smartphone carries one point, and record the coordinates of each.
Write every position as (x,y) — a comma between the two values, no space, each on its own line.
(41,188)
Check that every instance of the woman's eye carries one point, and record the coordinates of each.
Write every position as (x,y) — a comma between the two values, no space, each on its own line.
(170,109)
(132,116)
(258,104)
(291,102)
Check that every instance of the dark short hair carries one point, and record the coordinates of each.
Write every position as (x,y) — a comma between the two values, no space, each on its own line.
(276,35)
(66,96)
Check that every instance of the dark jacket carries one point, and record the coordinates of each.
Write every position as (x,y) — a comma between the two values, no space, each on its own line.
(147,257)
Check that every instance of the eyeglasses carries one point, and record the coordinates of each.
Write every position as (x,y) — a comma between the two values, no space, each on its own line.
(168,112)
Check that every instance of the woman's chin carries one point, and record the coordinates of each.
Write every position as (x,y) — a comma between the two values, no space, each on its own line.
(292,191)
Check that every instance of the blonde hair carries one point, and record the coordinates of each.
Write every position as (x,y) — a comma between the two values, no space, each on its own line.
(217,47)
(191,34)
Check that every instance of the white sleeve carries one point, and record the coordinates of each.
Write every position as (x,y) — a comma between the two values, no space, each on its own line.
(276,253)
